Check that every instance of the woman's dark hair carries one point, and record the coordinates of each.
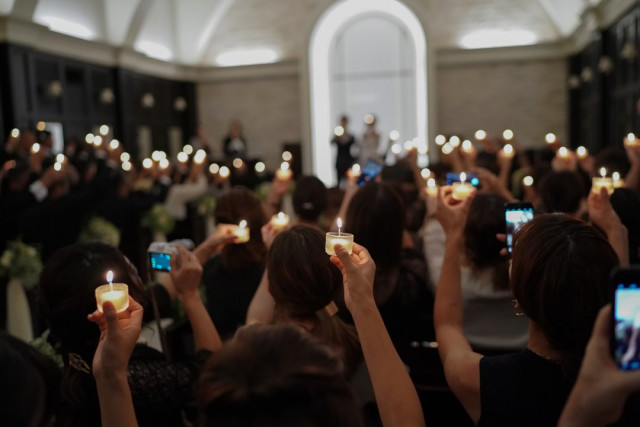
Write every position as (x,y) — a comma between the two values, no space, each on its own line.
(275,376)
(235,205)
(30,387)
(309,198)
(559,276)
(485,220)
(561,192)
(376,217)
(402,179)
(66,295)
(303,281)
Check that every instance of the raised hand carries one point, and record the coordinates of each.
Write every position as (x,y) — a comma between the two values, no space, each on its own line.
(358,271)
(186,272)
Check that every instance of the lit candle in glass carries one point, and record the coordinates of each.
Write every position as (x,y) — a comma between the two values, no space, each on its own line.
(527,181)
(602,182)
(242,232)
(284,173)
(354,172)
(117,293)
(280,221)
(461,190)
(631,140)
(582,152)
(224,172)
(550,138)
(35,148)
(467,146)
(618,182)
(563,153)
(507,151)
(333,239)
(507,135)
(432,188)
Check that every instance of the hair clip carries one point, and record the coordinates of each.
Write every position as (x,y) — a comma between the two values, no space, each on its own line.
(77,362)
(327,311)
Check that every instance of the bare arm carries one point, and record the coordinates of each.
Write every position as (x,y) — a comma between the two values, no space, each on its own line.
(397,398)
(262,304)
(461,363)
(186,272)
(601,213)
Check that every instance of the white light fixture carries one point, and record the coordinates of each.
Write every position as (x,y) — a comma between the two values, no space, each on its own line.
(154,50)
(235,58)
(69,28)
(497,38)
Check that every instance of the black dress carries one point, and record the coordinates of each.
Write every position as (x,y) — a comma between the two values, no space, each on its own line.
(344,159)
(522,389)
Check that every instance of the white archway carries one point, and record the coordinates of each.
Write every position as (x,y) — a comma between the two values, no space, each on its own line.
(326,29)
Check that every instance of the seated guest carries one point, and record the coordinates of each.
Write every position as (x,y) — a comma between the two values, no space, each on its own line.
(376,216)
(489,322)
(309,200)
(232,276)
(160,389)
(559,273)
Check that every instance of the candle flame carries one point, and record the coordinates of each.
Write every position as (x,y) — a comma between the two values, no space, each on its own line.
(35,148)
(284,166)
(631,137)
(243,224)
(550,138)
(281,216)
(563,152)
(582,152)
(508,149)
(603,172)
(616,176)
(431,183)
(110,276)
(355,168)
(527,181)
(339,224)
(463,177)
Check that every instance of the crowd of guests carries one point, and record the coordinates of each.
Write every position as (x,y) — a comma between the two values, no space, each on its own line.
(280,333)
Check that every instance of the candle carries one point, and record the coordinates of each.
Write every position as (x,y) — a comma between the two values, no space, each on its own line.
(339,131)
(242,232)
(284,173)
(114,144)
(617,180)
(550,138)
(631,140)
(354,171)
(440,139)
(200,156)
(183,157)
(425,173)
(333,239)
(462,189)
(117,293)
(57,166)
(527,181)
(507,135)
(15,133)
(280,221)
(582,152)
(602,182)
(224,172)
(147,163)
(467,146)
(432,188)
(454,141)
(214,168)
(188,148)
(507,151)
(480,135)
(563,152)
(35,148)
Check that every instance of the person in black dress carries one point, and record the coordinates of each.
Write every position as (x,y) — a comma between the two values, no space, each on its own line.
(344,141)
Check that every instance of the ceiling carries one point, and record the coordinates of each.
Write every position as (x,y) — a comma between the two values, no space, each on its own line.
(196,32)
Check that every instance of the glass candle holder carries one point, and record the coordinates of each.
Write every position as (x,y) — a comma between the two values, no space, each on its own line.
(461,190)
(333,238)
(117,293)
(280,221)
(602,182)
(242,234)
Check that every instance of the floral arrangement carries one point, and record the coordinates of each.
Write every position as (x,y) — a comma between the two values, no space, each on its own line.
(206,205)
(100,229)
(157,219)
(43,345)
(21,262)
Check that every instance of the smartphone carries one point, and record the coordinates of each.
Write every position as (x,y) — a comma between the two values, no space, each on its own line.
(516,215)
(160,261)
(625,337)
(455,177)
(369,171)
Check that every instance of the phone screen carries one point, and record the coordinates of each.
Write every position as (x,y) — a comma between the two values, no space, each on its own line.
(516,215)
(626,319)
(160,261)
(369,171)
(455,177)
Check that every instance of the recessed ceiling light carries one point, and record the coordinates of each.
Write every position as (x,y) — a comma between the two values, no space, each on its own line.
(497,38)
(69,28)
(246,57)
(154,50)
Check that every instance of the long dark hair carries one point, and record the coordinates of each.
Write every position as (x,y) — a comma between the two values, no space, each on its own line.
(559,276)
(235,205)
(303,282)
(485,220)
(66,296)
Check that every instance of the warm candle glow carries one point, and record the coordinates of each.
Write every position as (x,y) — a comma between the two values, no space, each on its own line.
(615,176)
(224,172)
(238,163)
(463,177)
(280,220)
(242,224)
(582,152)
(287,156)
(480,135)
(354,172)
(200,156)
(425,173)
(631,136)
(125,157)
(447,148)
(188,148)
(114,144)
(284,172)
(432,188)
(15,132)
(454,141)
(527,181)
(563,152)
(57,166)
(116,293)
(550,138)
(35,148)
(242,232)
(97,140)
(441,139)
(60,158)
(214,168)
(467,146)
(339,131)
(147,163)
(507,134)
(603,172)
(89,138)
(164,163)
(461,190)
(508,150)
(109,276)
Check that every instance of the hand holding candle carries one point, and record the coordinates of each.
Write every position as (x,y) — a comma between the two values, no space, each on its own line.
(280,221)
(432,188)
(116,293)
(284,173)
(602,182)
(242,232)
(354,172)
(343,239)
(461,190)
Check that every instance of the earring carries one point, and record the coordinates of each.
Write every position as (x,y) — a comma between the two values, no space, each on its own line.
(516,306)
